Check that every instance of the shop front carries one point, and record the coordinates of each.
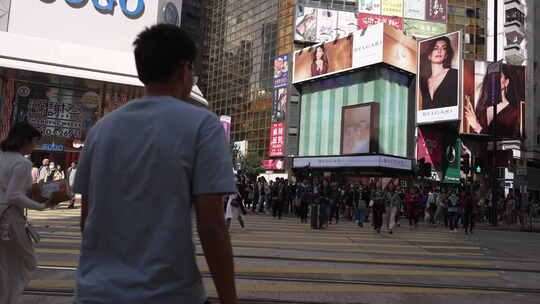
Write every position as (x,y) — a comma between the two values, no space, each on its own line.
(64,65)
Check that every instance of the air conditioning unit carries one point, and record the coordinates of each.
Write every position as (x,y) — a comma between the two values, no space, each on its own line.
(170,12)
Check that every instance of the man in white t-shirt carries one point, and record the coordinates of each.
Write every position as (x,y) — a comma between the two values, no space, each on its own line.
(144,168)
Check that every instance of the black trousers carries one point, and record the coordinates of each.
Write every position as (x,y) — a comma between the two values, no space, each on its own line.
(468,221)
(278,208)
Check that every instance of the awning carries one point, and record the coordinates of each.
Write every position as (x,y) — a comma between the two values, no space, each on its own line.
(36,54)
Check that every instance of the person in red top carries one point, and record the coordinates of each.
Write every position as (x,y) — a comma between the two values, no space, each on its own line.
(412,207)
(469,207)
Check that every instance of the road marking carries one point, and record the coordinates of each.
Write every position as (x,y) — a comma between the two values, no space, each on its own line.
(298,288)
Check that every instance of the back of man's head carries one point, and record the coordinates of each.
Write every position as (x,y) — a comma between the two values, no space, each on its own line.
(159,51)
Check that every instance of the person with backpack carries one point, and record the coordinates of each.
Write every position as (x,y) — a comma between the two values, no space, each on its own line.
(453,209)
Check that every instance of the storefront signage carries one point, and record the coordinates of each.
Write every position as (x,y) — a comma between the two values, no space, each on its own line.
(277,139)
(354,161)
(52,147)
(109,6)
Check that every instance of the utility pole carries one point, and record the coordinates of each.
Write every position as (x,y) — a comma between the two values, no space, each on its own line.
(494,123)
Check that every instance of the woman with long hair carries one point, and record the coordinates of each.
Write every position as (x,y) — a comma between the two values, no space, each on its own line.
(481,118)
(319,65)
(438,80)
(17,259)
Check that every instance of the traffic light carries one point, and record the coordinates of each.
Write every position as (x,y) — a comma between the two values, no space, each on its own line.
(466,163)
(477,166)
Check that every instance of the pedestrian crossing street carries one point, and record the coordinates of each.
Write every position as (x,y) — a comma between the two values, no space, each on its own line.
(284,259)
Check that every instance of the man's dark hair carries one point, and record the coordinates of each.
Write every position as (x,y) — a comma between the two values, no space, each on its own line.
(159,50)
(19,135)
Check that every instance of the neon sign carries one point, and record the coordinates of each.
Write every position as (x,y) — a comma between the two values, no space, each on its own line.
(110,6)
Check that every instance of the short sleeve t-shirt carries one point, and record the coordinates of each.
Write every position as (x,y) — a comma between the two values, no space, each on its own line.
(140,168)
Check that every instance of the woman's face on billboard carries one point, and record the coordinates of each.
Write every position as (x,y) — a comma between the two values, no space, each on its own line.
(319,53)
(439,52)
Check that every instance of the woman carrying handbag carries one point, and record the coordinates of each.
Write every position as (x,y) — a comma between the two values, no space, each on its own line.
(17,259)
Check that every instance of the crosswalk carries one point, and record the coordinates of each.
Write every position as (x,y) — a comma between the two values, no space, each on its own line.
(285,259)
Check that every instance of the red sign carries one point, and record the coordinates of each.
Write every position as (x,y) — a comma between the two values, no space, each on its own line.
(365,20)
(277,139)
(430,147)
(274,164)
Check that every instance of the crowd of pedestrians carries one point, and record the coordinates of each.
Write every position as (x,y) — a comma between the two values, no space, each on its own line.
(323,203)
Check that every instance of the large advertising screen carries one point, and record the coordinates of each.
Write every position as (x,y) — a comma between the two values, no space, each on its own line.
(360,129)
(369,7)
(439,66)
(392,8)
(320,25)
(375,44)
(365,20)
(488,84)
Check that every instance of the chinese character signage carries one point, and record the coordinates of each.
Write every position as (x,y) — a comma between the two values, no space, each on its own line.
(365,20)
(423,29)
(281,71)
(392,8)
(277,139)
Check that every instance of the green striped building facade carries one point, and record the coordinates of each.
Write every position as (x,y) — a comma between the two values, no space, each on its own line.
(320,116)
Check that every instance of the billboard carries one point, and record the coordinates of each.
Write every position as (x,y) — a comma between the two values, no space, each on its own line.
(430,147)
(320,25)
(279,104)
(365,20)
(392,8)
(360,129)
(323,59)
(369,6)
(375,44)
(273,164)
(485,85)
(452,160)
(436,10)
(226,123)
(399,50)
(424,29)
(277,139)
(439,67)
(281,71)
(415,9)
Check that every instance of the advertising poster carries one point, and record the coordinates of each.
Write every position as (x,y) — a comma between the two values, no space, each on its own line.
(365,20)
(415,9)
(359,127)
(430,147)
(323,59)
(392,8)
(369,6)
(326,25)
(226,123)
(277,139)
(273,164)
(306,24)
(281,71)
(321,25)
(399,49)
(279,105)
(452,160)
(423,29)
(368,46)
(439,66)
(436,10)
(485,85)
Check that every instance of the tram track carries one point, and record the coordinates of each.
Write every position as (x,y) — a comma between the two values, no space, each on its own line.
(334,282)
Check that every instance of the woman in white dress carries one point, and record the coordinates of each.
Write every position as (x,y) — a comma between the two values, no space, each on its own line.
(17,259)
(233,210)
